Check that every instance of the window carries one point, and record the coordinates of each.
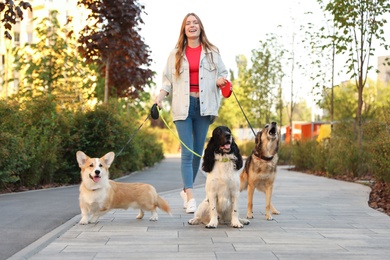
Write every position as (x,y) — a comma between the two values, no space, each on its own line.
(17,38)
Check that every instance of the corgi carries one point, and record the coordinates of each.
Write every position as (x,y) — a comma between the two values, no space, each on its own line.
(99,194)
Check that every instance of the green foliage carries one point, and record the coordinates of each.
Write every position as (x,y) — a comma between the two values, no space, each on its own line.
(38,142)
(257,89)
(358,23)
(41,122)
(265,77)
(12,152)
(168,140)
(12,157)
(375,97)
(340,156)
(303,154)
(97,132)
(377,136)
(285,153)
(230,113)
(58,71)
(344,156)
(319,45)
(246,147)
(302,112)
(31,140)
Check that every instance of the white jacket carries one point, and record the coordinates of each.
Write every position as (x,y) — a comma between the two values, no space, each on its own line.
(179,87)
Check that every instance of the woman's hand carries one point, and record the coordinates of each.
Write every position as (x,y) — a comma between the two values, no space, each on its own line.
(221,82)
(160,97)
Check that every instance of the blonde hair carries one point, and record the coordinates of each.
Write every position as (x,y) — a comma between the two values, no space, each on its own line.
(182,42)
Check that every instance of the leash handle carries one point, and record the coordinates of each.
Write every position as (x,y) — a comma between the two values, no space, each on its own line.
(162,118)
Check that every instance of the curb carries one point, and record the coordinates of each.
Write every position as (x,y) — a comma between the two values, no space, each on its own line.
(45,240)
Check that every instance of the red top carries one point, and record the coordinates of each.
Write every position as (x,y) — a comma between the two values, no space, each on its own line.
(193,56)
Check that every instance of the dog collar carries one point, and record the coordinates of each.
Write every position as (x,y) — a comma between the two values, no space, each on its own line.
(224,160)
(262,157)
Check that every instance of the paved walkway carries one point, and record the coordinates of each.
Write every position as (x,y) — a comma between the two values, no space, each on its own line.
(320,219)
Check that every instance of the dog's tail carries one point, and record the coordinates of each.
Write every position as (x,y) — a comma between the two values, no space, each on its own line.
(243,180)
(244,174)
(163,205)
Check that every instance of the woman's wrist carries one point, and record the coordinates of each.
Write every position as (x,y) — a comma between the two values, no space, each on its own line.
(160,97)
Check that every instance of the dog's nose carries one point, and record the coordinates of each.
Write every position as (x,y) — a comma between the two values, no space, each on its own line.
(97,172)
(273,123)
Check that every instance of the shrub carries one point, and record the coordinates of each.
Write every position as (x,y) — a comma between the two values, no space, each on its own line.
(38,142)
(41,142)
(104,129)
(12,161)
(285,154)
(29,134)
(377,142)
(303,154)
(344,155)
(246,147)
(168,140)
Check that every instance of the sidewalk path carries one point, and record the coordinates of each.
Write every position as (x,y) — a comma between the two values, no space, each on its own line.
(320,219)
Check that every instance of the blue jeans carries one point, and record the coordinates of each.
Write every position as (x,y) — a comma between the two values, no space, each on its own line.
(192,131)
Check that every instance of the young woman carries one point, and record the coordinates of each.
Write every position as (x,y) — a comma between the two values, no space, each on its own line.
(192,75)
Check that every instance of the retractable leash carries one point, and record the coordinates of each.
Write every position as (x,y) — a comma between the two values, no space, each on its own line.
(227,90)
(131,137)
(156,111)
(244,114)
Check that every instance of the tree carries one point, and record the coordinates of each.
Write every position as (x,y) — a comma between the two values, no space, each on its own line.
(321,49)
(376,99)
(265,79)
(229,113)
(359,23)
(111,39)
(51,67)
(11,12)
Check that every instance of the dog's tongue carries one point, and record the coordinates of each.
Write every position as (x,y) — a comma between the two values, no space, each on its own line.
(96,179)
(226,146)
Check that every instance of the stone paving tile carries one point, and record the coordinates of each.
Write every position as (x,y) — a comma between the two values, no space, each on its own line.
(152,255)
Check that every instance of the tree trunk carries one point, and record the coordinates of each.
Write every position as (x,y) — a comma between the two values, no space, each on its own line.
(280,104)
(359,112)
(292,91)
(106,81)
(332,82)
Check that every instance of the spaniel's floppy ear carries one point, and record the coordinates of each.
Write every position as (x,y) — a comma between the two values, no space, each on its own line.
(239,161)
(209,157)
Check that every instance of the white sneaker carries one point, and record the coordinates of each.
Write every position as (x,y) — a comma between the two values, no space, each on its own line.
(191,206)
(183,195)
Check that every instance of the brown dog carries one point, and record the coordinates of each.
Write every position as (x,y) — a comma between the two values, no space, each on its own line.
(260,168)
(98,194)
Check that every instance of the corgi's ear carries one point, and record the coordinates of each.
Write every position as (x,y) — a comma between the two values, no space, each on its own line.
(108,158)
(81,158)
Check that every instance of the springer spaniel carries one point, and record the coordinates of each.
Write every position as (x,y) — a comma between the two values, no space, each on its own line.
(222,161)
